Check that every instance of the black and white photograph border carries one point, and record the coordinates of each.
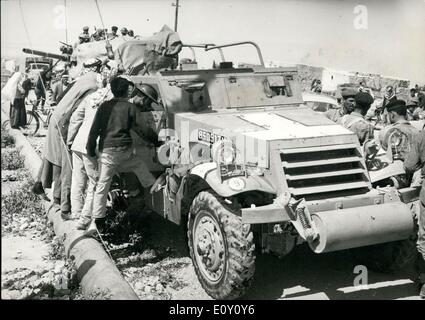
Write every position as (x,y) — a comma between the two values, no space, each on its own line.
(182,150)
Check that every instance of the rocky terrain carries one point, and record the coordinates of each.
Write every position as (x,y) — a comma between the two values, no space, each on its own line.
(33,262)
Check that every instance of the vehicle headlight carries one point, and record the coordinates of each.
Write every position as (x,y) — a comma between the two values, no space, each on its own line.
(224,152)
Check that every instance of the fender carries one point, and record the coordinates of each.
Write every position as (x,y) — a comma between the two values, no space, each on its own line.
(208,173)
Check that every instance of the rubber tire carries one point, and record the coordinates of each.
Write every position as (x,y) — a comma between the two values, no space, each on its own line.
(30,116)
(239,245)
(37,121)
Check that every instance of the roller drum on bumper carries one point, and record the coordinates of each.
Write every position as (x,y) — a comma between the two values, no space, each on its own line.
(361,226)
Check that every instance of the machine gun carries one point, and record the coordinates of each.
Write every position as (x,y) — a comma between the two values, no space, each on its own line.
(46,54)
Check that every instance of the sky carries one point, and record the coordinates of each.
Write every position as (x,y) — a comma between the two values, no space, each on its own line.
(374,36)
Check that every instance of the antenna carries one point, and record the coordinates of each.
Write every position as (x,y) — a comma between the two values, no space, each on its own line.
(66,24)
(177,14)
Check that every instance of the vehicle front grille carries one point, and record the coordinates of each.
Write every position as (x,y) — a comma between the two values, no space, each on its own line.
(314,172)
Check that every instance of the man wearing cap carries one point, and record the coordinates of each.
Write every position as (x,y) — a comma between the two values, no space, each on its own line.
(124,31)
(347,107)
(355,121)
(113,33)
(59,88)
(414,161)
(112,124)
(85,36)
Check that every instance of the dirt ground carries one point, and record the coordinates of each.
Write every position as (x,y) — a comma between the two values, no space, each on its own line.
(300,275)
(33,265)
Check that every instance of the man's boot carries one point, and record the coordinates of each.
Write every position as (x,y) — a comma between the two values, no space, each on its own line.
(37,188)
(66,215)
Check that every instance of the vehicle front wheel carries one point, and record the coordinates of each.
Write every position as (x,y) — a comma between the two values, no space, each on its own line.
(221,247)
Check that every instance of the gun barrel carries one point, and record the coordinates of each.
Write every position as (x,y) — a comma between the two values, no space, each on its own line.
(46,54)
(65,44)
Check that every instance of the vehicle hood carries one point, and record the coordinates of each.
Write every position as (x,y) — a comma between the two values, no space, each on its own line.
(282,124)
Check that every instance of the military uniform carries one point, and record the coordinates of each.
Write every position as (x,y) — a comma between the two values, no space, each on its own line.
(84,37)
(124,31)
(414,161)
(406,128)
(356,123)
(113,35)
(336,114)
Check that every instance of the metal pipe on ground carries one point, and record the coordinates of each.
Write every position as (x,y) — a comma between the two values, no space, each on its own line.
(97,273)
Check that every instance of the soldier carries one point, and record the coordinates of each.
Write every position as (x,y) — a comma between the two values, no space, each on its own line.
(113,34)
(415,160)
(355,121)
(84,37)
(144,96)
(124,31)
(98,35)
(131,33)
(347,106)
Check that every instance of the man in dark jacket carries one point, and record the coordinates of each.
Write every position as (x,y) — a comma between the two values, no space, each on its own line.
(41,86)
(112,124)
(415,161)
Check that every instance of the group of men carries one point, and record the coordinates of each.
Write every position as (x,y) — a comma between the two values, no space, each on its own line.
(89,140)
(397,114)
(102,34)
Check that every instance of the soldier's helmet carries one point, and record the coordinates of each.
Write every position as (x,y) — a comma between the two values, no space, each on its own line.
(85,28)
(124,30)
(114,28)
(131,33)
(148,91)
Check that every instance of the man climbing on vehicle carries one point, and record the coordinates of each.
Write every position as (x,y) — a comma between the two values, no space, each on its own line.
(112,124)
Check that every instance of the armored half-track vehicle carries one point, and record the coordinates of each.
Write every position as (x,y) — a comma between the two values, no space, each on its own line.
(249,169)
(244,164)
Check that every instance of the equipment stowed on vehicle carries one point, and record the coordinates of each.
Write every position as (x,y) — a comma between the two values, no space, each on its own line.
(245,166)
